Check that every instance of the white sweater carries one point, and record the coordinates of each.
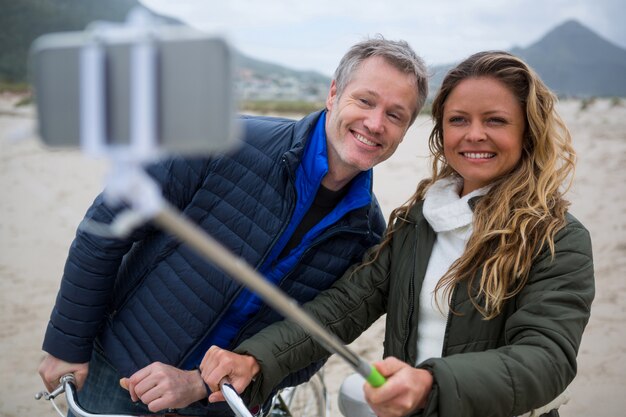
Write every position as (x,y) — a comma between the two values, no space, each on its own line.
(450,216)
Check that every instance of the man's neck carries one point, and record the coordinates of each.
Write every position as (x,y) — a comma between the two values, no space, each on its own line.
(338,175)
(335,182)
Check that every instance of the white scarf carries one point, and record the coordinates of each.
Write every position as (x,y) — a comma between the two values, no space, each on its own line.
(444,209)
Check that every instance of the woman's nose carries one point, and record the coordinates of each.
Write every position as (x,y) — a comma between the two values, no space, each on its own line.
(476,132)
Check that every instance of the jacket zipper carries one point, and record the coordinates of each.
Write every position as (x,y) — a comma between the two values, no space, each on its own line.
(411,296)
(166,250)
(444,348)
(241,287)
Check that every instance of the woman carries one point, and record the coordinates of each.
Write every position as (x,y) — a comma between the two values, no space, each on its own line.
(486,279)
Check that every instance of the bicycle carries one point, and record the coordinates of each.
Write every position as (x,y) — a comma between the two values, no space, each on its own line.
(309,399)
(305,400)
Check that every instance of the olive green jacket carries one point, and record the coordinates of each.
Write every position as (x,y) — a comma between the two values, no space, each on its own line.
(506,366)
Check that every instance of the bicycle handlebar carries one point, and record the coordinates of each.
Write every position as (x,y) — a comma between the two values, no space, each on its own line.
(68,386)
(234,400)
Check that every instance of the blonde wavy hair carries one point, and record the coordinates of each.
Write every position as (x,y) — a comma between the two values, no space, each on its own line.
(524,209)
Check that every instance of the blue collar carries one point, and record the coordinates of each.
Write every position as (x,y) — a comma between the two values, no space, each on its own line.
(314,166)
(309,175)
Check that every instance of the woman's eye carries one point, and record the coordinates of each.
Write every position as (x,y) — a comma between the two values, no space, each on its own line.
(497,121)
(455,120)
(364,101)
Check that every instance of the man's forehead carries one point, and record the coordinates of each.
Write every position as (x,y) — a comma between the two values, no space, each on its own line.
(364,68)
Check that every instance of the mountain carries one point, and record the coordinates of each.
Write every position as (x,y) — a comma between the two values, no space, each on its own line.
(572,60)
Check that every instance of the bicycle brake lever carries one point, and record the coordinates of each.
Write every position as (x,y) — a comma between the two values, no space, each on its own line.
(56,392)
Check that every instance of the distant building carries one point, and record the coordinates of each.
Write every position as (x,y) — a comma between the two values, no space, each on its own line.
(252,86)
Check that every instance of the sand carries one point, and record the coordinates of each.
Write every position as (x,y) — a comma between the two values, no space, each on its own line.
(46,192)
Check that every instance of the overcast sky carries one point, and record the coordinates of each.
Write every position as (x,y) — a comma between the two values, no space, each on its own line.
(313,35)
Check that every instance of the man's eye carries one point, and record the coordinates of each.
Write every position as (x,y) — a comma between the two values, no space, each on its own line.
(364,101)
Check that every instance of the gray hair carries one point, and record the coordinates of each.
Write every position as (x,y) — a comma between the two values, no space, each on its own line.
(397,53)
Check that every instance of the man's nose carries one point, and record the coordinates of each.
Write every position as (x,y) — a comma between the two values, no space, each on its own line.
(375,121)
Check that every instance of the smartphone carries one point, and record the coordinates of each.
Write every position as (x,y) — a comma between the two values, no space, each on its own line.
(194,102)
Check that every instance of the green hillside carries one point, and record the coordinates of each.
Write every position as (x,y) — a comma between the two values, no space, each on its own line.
(22,21)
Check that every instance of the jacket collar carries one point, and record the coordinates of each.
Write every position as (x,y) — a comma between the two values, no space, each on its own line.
(302,131)
(314,166)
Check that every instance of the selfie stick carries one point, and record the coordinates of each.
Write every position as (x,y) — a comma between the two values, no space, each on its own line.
(129,183)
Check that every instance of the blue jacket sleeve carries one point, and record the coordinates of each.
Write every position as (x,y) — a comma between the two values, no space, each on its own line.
(85,295)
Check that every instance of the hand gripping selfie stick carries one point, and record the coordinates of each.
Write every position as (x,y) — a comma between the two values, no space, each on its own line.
(130,184)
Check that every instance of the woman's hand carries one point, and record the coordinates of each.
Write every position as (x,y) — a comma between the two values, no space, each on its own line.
(407,389)
(161,386)
(218,364)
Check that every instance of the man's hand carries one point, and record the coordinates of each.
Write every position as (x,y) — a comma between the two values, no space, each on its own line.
(406,389)
(51,369)
(218,364)
(161,386)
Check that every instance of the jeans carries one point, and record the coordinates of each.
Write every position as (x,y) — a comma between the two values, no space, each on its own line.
(102,394)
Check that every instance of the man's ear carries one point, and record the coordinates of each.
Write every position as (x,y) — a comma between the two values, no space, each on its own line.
(332,95)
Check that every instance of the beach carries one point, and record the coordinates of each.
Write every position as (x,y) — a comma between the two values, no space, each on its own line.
(46,193)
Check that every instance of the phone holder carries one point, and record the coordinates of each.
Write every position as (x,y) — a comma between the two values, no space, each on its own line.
(136,90)
(143,144)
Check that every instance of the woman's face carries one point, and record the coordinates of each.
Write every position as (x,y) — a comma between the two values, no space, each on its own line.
(483,130)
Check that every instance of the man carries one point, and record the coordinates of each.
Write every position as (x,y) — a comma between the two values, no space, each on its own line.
(294,200)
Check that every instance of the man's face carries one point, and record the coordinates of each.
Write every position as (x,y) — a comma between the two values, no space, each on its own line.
(365,125)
